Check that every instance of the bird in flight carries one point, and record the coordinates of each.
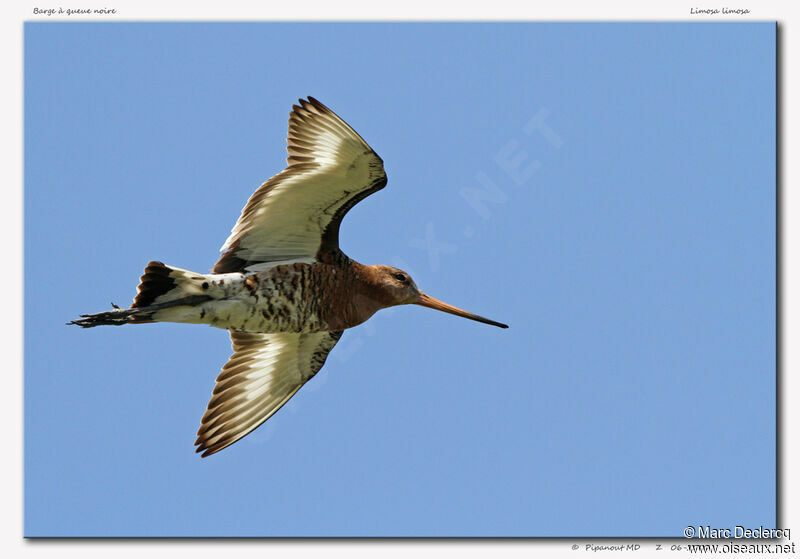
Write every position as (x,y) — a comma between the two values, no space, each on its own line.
(282,287)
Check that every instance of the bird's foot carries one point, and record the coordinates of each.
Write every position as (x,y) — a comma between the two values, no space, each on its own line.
(117,317)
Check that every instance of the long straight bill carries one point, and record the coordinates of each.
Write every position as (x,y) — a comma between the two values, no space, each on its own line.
(430,302)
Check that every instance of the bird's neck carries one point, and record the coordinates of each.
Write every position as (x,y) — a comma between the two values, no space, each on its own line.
(369,295)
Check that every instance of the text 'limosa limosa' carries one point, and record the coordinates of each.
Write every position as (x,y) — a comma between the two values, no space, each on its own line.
(282,287)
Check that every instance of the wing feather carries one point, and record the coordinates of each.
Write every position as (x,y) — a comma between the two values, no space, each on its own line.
(263,373)
(295,215)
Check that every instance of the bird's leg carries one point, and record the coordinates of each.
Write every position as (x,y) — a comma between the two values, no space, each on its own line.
(118,316)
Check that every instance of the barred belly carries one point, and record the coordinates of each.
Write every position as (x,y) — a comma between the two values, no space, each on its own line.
(280,299)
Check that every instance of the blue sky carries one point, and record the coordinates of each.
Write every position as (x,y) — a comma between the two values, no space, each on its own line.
(605,189)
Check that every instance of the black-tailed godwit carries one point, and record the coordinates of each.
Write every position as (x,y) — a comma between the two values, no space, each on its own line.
(282,287)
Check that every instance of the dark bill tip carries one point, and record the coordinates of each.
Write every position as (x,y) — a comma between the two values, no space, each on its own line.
(431,303)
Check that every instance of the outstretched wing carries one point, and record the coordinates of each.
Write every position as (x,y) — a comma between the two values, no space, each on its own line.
(264,371)
(296,214)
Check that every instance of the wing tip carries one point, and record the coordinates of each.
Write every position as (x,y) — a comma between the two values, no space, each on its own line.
(206,452)
(313,101)
(206,449)
(311,104)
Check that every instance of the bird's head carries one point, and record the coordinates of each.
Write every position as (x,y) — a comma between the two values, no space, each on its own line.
(399,289)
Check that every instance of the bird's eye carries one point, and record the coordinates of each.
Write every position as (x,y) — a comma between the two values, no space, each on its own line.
(401,277)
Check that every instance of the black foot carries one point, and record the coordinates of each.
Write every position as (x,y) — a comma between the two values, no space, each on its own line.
(117,317)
